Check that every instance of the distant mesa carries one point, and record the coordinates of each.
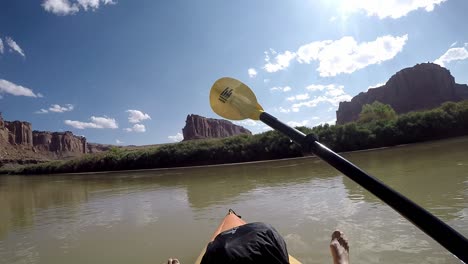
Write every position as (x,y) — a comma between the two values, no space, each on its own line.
(18,142)
(96,148)
(199,127)
(424,86)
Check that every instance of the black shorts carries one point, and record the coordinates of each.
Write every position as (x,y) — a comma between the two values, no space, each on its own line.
(249,243)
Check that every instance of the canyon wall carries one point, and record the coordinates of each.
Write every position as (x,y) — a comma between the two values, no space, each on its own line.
(199,127)
(62,144)
(18,142)
(19,133)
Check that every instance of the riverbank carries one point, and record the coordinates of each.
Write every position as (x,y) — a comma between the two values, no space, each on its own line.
(449,120)
(260,162)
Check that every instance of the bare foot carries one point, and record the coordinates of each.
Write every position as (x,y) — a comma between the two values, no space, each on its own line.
(339,248)
(173,261)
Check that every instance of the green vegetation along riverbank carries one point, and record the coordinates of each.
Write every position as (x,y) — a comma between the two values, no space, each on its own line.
(378,126)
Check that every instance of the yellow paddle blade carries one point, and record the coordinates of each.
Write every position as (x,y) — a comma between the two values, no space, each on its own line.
(234,100)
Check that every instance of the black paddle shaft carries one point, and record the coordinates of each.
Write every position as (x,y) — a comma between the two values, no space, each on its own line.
(431,225)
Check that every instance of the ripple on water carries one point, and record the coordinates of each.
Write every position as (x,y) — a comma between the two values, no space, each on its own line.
(23,251)
(81,218)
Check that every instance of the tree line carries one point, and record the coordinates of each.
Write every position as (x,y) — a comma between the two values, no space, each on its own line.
(378,126)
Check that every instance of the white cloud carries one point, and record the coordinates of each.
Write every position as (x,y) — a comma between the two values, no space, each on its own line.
(302,96)
(311,51)
(104,122)
(375,86)
(298,97)
(282,89)
(284,110)
(56,109)
(139,128)
(298,124)
(96,122)
(319,87)
(332,93)
(335,91)
(42,111)
(282,60)
(136,116)
(321,99)
(312,103)
(388,8)
(89,4)
(451,55)
(60,109)
(1,46)
(17,90)
(14,46)
(118,142)
(252,72)
(345,55)
(60,7)
(66,7)
(266,80)
(454,44)
(247,122)
(176,138)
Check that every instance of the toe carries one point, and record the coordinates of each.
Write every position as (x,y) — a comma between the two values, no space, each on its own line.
(336,234)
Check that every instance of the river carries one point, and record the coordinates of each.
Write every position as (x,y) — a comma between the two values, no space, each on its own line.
(149,216)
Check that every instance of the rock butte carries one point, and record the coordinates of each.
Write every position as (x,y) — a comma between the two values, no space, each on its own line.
(199,127)
(424,86)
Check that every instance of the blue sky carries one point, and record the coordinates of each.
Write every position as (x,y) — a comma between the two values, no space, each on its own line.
(129,72)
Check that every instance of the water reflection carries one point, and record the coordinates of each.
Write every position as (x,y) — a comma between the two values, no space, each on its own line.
(217,185)
(429,174)
(20,199)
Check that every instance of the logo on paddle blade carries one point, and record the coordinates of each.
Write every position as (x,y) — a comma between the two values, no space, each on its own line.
(224,96)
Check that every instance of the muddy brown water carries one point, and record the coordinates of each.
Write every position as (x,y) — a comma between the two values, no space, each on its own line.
(148,216)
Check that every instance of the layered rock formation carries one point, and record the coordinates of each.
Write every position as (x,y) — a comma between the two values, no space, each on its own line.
(3,132)
(63,144)
(15,141)
(424,86)
(199,127)
(18,143)
(20,133)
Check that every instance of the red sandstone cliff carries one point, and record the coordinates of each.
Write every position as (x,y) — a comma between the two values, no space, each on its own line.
(424,86)
(18,143)
(199,127)
(60,144)
(19,133)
